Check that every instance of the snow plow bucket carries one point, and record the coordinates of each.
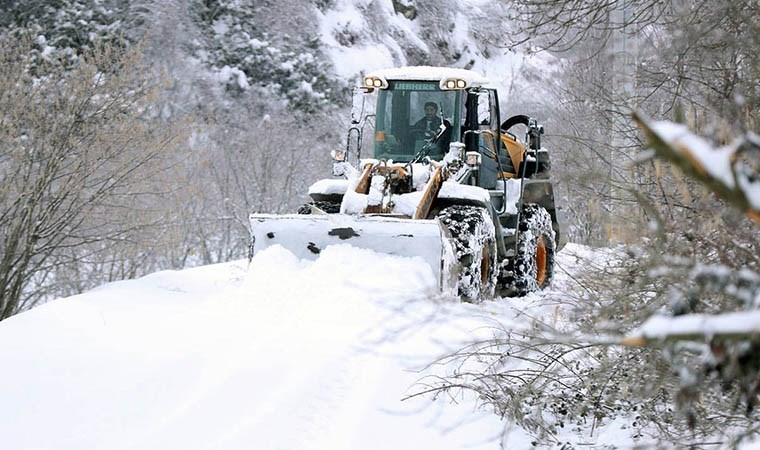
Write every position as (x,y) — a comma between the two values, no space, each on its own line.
(307,235)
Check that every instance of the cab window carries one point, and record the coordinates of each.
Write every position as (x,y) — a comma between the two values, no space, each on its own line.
(409,114)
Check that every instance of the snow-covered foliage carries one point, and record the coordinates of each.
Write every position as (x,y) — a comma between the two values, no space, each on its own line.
(360,36)
(732,171)
(81,166)
(540,374)
(279,46)
(710,326)
(250,44)
(66,27)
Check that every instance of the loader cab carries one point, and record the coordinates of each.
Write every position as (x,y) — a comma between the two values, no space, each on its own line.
(401,128)
(468,106)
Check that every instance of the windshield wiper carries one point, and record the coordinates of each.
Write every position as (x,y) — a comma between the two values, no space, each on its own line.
(429,144)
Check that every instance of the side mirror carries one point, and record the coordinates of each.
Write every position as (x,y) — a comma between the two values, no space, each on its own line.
(358,103)
(484,108)
(534,134)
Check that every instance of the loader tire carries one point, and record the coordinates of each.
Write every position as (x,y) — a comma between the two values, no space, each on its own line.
(328,207)
(532,266)
(472,233)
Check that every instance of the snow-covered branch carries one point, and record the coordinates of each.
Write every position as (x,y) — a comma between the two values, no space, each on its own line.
(732,171)
(696,327)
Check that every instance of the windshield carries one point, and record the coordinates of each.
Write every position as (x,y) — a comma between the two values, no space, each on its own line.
(409,114)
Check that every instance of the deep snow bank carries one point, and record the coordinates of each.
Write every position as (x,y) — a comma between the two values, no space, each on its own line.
(286,354)
(290,355)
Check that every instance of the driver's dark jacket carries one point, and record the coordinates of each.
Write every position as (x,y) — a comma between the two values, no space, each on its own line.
(428,123)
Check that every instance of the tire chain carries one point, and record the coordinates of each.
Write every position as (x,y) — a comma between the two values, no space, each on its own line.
(328,207)
(464,222)
(514,276)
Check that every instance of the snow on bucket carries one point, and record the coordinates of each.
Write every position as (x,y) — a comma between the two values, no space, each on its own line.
(306,236)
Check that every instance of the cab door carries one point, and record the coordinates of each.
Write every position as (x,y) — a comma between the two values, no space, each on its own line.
(486,116)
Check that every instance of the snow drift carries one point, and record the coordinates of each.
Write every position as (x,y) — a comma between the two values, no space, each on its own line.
(291,354)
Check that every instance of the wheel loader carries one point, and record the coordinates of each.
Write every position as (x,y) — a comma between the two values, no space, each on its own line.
(431,170)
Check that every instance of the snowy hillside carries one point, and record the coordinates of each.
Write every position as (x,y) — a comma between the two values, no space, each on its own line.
(361,36)
(289,354)
(305,53)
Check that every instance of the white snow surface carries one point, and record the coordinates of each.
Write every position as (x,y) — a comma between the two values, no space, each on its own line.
(285,354)
(452,189)
(406,204)
(346,19)
(227,73)
(329,186)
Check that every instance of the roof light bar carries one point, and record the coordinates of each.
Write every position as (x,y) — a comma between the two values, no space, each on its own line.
(453,83)
(375,82)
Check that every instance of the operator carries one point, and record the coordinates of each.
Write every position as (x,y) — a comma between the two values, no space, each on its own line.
(431,122)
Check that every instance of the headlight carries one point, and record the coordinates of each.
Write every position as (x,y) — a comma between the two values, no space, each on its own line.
(472,158)
(453,83)
(338,155)
(375,82)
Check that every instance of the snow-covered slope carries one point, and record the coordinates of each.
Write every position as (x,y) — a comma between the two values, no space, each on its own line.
(286,354)
(359,36)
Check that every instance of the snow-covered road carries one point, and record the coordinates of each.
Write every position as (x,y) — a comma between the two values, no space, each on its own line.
(286,354)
